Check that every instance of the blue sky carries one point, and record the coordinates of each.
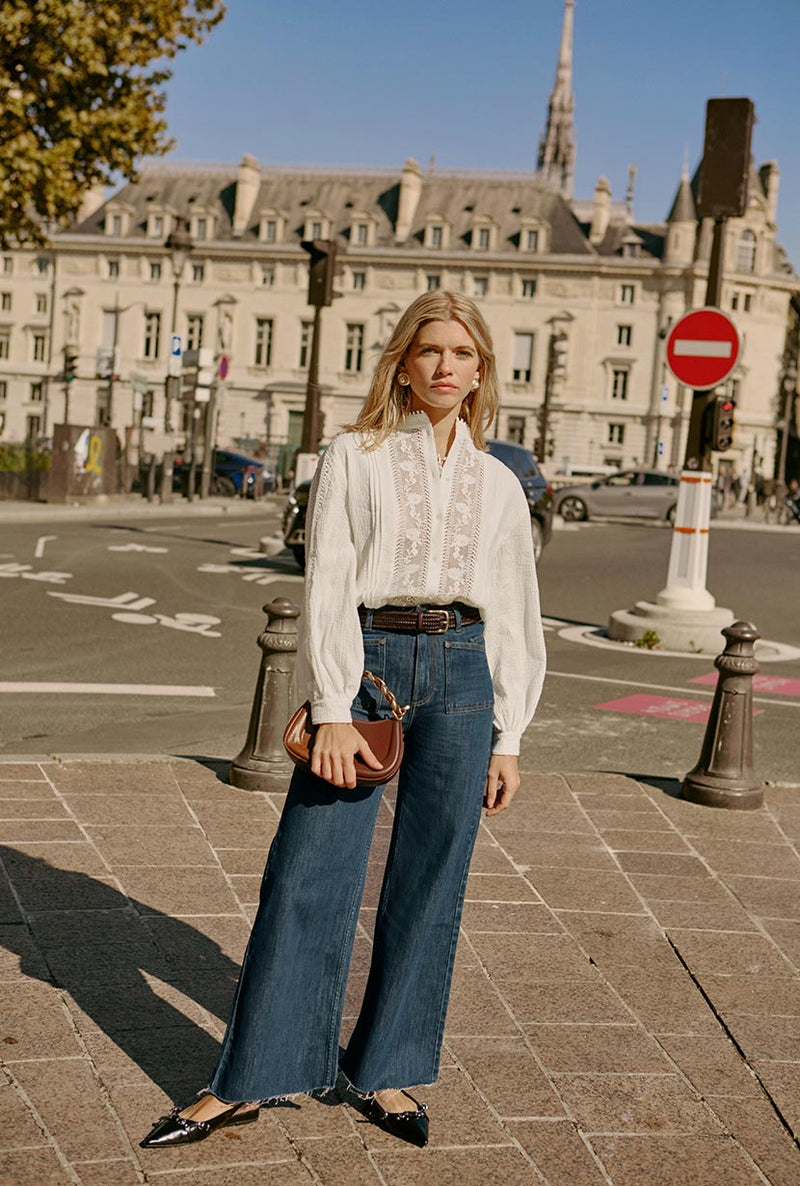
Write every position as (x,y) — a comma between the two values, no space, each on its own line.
(366,83)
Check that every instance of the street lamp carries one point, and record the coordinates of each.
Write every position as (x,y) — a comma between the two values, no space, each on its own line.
(179,244)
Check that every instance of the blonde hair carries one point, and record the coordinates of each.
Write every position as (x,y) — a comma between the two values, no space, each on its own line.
(387,402)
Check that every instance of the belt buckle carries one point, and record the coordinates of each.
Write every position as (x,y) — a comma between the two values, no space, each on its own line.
(444,616)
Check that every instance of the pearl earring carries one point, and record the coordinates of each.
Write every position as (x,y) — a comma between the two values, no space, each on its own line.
(403,379)
(476,383)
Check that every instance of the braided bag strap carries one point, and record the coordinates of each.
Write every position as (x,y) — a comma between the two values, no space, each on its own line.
(397,712)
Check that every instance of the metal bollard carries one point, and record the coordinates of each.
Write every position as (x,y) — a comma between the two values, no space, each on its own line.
(724,775)
(263,764)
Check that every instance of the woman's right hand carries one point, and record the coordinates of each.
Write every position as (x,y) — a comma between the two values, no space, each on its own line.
(335,747)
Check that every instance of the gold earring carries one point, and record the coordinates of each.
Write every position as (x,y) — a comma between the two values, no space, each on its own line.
(403,379)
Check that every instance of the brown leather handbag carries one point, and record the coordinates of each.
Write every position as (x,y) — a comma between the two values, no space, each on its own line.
(385,739)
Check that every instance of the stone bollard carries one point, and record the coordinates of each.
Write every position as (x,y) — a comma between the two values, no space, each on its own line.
(263,764)
(724,775)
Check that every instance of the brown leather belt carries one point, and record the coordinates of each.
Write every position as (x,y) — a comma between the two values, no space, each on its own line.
(423,621)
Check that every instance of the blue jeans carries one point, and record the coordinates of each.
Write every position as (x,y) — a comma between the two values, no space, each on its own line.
(283,1032)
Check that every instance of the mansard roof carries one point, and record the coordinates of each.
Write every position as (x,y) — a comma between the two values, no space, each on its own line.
(509,201)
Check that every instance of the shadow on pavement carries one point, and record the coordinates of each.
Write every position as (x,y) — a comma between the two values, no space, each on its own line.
(98,945)
(669,786)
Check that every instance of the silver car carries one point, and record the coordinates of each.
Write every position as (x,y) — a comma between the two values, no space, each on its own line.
(639,493)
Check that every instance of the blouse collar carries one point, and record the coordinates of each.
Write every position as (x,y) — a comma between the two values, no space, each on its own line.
(421,422)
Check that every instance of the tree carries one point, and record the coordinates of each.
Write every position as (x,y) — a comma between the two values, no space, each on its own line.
(82,100)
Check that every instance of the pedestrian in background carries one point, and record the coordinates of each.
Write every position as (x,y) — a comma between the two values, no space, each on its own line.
(420,569)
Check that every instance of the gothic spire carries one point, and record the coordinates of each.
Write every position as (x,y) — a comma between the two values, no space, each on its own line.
(556,160)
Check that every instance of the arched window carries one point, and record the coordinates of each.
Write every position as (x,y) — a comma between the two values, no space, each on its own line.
(746,252)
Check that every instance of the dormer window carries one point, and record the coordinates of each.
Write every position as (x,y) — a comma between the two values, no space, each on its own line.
(317,226)
(533,236)
(155,227)
(746,252)
(532,239)
(270,227)
(270,233)
(632,249)
(435,236)
(361,234)
(483,234)
(201,228)
(117,221)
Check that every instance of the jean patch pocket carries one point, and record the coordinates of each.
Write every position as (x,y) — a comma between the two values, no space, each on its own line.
(467,682)
(370,703)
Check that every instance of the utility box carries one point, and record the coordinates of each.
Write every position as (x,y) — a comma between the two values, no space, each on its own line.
(84,463)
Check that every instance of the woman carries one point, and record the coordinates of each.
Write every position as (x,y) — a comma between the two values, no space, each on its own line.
(420,569)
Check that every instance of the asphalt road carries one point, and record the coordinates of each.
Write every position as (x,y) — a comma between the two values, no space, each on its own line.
(178,603)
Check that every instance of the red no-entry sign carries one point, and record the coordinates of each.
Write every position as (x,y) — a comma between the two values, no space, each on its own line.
(703,348)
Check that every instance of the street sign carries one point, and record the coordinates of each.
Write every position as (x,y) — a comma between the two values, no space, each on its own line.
(703,348)
(176,346)
(223,367)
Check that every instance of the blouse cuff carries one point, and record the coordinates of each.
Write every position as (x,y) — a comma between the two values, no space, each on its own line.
(328,712)
(506,743)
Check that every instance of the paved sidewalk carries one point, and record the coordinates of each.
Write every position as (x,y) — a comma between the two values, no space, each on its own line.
(626,1004)
(130,506)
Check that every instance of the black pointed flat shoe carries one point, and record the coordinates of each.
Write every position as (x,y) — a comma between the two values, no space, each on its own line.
(411,1126)
(174,1129)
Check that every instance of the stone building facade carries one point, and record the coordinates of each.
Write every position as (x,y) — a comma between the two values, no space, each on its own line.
(537,261)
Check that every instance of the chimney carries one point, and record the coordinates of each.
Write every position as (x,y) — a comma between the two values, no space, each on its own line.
(248,184)
(410,193)
(92,200)
(770,176)
(601,210)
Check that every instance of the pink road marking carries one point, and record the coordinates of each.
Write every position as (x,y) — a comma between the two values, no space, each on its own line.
(779,685)
(670,708)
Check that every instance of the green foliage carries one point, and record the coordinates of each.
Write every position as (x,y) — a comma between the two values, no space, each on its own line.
(81,100)
(649,641)
(19,458)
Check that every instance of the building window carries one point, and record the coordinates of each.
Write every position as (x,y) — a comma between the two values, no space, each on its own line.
(194,331)
(152,334)
(201,228)
(435,236)
(523,358)
(155,270)
(624,335)
(316,230)
(515,429)
(113,269)
(37,393)
(619,384)
(616,434)
(354,349)
(362,234)
(3,391)
(40,347)
(631,250)
(8,265)
(359,281)
(305,343)
(627,294)
(529,289)
(482,242)
(33,426)
(433,282)
(43,266)
(270,233)
(5,343)
(156,226)
(746,252)
(263,354)
(531,240)
(198,273)
(748,301)
(41,302)
(5,302)
(480,286)
(116,224)
(267,276)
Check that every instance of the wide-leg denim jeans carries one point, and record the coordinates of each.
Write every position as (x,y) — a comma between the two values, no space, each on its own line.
(283,1032)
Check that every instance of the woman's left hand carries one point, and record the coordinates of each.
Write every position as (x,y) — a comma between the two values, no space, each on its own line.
(502,782)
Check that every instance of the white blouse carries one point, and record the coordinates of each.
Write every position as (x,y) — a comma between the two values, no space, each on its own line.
(389,526)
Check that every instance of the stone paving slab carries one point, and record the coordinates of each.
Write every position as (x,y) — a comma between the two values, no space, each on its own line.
(625,1007)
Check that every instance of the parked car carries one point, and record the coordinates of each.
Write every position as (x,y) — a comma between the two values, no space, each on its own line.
(232,472)
(639,493)
(519,460)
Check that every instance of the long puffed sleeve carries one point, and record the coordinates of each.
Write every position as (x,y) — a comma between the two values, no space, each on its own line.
(514,635)
(331,644)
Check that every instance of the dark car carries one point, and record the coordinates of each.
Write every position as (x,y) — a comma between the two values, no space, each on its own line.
(519,460)
(232,474)
(638,493)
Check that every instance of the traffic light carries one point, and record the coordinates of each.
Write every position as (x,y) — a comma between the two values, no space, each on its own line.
(70,363)
(558,355)
(722,410)
(321,271)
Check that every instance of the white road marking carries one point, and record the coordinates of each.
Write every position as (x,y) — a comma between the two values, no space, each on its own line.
(702,349)
(632,683)
(109,689)
(134,548)
(40,545)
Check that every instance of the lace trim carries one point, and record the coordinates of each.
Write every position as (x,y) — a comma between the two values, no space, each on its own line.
(462,525)
(414,519)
